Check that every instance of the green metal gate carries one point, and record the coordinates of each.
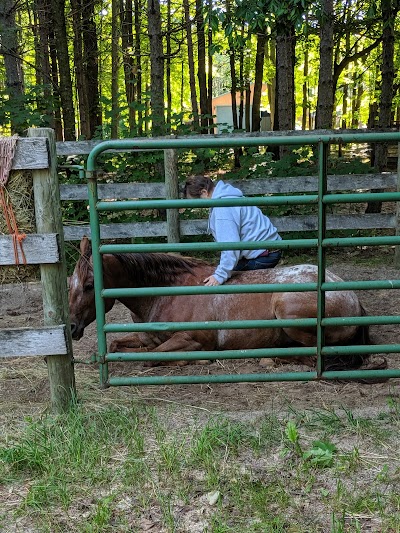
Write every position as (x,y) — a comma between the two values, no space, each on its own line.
(322,200)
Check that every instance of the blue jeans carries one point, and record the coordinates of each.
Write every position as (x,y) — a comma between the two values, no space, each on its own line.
(265,261)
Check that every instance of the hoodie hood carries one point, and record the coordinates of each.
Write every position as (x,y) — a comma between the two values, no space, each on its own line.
(237,224)
(226,190)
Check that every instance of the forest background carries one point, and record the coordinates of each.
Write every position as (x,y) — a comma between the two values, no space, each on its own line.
(99,69)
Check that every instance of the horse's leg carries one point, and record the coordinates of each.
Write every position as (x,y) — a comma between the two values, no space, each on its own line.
(138,342)
(181,341)
(144,342)
(293,306)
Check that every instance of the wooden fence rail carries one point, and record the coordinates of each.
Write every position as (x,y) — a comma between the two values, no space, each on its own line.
(259,186)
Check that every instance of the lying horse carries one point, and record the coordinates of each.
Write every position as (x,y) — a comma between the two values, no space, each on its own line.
(161,269)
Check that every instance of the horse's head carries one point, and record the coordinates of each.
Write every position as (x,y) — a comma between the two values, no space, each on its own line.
(81,292)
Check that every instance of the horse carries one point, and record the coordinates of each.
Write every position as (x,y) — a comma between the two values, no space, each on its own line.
(132,270)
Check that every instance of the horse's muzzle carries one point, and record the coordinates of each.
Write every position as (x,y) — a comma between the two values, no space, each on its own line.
(76,331)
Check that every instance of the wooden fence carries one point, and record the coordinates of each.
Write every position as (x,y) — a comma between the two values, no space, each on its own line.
(31,152)
(45,248)
(290,223)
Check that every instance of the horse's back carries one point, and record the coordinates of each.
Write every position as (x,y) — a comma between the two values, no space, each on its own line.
(278,275)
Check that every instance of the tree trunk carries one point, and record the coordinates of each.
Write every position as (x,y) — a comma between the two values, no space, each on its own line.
(247,115)
(192,80)
(114,70)
(42,55)
(232,61)
(389,12)
(128,59)
(64,70)
(80,71)
(344,114)
(387,72)
(241,82)
(91,58)
(56,96)
(168,68)
(156,76)
(356,104)
(305,91)
(138,10)
(210,68)
(325,102)
(258,77)
(284,93)
(10,51)
(201,70)
(246,85)
(271,88)
(157,67)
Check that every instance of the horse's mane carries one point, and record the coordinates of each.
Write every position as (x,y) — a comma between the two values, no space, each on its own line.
(83,265)
(148,269)
(152,269)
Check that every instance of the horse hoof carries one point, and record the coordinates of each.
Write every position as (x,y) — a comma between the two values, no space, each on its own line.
(374,362)
(266,362)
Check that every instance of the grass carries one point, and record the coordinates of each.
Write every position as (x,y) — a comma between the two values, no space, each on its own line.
(127,467)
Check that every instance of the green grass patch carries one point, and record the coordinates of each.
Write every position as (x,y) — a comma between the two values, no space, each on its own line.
(128,467)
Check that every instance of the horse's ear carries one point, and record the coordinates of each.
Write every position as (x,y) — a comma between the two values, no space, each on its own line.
(84,245)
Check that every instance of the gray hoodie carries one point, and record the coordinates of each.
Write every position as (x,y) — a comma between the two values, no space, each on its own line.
(237,224)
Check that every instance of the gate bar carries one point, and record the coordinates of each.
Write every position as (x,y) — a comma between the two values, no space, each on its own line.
(137,327)
(252,378)
(254,353)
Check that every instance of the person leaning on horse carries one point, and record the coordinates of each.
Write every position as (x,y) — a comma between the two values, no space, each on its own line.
(235,224)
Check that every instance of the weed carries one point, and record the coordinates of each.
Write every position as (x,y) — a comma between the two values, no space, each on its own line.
(321,454)
(293,438)
(102,514)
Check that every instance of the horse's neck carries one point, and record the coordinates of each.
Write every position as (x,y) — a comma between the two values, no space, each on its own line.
(140,307)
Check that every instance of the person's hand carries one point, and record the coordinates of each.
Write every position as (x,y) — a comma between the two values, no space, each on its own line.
(211,281)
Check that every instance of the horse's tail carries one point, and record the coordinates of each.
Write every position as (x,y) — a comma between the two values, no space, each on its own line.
(352,361)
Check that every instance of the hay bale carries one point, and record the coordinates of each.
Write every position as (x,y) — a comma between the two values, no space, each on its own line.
(19,190)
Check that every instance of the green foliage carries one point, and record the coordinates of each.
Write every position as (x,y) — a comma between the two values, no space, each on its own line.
(321,454)
(34,108)
(293,437)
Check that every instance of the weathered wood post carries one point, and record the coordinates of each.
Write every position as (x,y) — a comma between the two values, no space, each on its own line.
(53,276)
(172,193)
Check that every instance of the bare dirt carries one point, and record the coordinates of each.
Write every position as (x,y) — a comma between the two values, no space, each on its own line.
(24,386)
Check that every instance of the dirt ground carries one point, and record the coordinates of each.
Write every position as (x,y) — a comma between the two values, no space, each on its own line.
(24,386)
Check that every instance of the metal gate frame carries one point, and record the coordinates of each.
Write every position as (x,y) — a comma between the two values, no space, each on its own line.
(322,200)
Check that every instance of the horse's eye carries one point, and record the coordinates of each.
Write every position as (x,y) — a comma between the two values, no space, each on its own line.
(88,287)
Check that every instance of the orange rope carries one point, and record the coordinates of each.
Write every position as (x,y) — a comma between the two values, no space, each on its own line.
(7,151)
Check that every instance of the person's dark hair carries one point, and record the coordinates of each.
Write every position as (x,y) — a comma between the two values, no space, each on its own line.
(195,184)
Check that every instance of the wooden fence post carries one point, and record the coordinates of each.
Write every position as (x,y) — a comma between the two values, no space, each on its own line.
(55,298)
(172,193)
